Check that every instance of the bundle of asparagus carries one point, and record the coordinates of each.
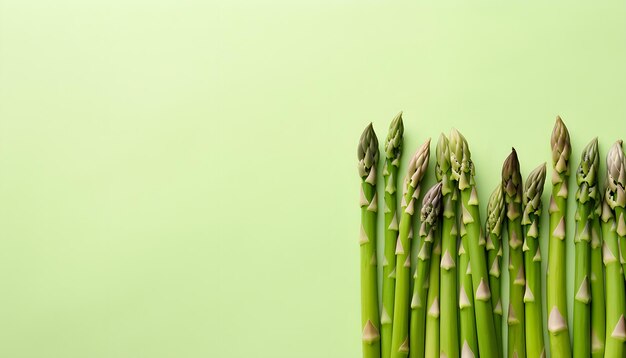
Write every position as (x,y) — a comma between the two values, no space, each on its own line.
(459,264)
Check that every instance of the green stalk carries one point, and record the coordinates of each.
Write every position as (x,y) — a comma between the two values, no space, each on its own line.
(493,235)
(614,199)
(512,186)
(431,208)
(533,189)
(463,173)
(432,315)
(393,151)
(449,328)
(616,167)
(415,174)
(367,154)
(585,198)
(467,317)
(598,308)
(556,276)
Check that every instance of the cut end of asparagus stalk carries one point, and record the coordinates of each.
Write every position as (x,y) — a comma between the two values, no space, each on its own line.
(512,181)
(561,148)
(616,176)
(393,144)
(533,189)
(495,212)
(431,205)
(367,153)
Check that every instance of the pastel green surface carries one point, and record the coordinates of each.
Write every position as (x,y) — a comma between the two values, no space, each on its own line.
(178,178)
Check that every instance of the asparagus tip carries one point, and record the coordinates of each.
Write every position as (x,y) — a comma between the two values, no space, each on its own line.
(533,189)
(616,176)
(512,178)
(393,144)
(561,148)
(442,156)
(431,204)
(495,211)
(589,162)
(367,151)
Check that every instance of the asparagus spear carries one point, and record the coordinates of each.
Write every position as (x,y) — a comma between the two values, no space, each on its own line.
(615,296)
(585,198)
(400,332)
(449,329)
(598,313)
(393,151)
(556,296)
(432,315)
(431,207)
(493,235)
(463,173)
(367,154)
(533,189)
(512,186)
(467,317)
(616,167)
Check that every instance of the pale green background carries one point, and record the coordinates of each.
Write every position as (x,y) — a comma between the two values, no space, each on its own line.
(178,178)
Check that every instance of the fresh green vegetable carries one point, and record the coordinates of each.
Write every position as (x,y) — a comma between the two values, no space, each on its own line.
(493,235)
(612,233)
(512,186)
(449,328)
(400,334)
(463,173)
(367,154)
(431,207)
(432,305)
(586,195)
(598,308)
(393,151)
(467,317)
(533,189)
(556,295)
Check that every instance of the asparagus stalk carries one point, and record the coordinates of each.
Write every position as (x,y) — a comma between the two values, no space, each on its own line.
(367,154)
(400,331)
(463,173)
(493,235)
(449,329)
(393,151)
(467,317)
(615,296)
(556,296)
(585,198)
(512,186)
(432,315)
(616,167)
(533,189)
(431,207)
(598,313)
